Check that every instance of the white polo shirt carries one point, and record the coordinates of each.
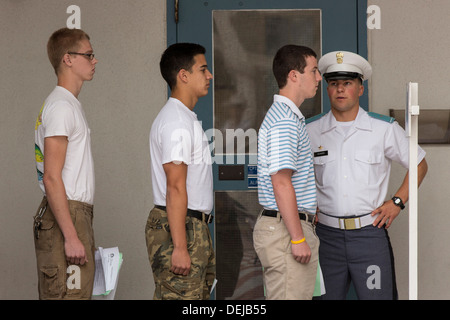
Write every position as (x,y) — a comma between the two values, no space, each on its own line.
(352,161)
(63,115)
(177,136)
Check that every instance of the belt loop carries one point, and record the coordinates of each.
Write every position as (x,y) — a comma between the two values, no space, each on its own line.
(206,218)
(260,213)
(305,215)
(279,216)
(341,224)
(308,217)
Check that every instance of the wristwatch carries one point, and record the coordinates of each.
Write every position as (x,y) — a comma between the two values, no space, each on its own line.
(398,202)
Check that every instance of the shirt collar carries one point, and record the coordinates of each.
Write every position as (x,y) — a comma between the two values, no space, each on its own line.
(183,107)
(362,121)
(289,103)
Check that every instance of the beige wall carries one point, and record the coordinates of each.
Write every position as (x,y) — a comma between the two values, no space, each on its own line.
(413,45)
(121,102)
(125,96)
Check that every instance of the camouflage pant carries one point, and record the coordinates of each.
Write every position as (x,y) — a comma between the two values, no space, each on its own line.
(169,286)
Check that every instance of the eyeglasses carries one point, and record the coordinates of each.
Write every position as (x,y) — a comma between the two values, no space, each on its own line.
(90,56)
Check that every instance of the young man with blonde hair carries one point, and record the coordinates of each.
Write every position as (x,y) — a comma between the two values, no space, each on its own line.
(64,239)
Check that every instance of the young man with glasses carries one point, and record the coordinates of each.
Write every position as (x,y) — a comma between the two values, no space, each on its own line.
(64,239)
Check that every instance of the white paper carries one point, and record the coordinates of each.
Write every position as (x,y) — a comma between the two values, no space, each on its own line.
(107,266)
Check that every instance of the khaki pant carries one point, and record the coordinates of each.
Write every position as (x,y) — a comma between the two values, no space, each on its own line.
(56,278)
(169,286)
(284,277)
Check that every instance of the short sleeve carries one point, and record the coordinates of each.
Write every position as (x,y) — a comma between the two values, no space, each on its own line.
(397,146)
(176,143)
(58,120)
(282,146)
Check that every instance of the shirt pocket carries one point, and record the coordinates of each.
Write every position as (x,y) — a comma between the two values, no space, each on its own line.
(325,169)
(367,166)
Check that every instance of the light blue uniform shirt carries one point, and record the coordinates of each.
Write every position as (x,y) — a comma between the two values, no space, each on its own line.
(283,143)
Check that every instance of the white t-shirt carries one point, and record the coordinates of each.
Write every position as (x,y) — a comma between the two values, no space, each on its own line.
(63,115)
(177,136)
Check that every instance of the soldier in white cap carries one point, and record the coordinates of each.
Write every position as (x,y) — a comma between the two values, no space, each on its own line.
(353,150)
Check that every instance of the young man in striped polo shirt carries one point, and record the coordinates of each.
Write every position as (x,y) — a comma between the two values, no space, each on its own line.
(284,236)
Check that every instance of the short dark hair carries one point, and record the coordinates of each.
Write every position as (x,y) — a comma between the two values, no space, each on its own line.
(176,57)
(290,57)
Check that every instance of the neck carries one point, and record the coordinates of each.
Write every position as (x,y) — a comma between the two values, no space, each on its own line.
(293,96)
(345,116)
(71,85)
(188,100)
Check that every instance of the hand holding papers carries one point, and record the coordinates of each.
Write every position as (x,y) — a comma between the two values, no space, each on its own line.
(107,266)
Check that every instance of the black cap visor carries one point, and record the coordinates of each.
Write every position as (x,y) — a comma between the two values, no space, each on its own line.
(341,75)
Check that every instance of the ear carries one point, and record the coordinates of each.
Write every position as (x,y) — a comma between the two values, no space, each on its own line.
(293,76)
(361,90)
(67,59)
(182,76)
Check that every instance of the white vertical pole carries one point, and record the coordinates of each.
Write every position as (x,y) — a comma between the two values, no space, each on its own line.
(413,117)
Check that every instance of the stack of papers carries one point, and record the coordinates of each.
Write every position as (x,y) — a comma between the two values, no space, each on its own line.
(107,265)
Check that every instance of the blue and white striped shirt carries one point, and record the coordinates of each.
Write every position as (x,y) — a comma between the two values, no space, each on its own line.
(283,143)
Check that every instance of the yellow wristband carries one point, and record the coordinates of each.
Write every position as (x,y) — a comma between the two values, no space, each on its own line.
(298,241)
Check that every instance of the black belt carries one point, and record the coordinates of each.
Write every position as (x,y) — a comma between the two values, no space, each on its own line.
(302,215)
(208,218)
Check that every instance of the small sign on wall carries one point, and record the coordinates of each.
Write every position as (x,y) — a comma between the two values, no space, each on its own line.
(252,179)
(434,125)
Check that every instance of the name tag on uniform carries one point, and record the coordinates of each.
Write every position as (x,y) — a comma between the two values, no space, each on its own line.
(321,153)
